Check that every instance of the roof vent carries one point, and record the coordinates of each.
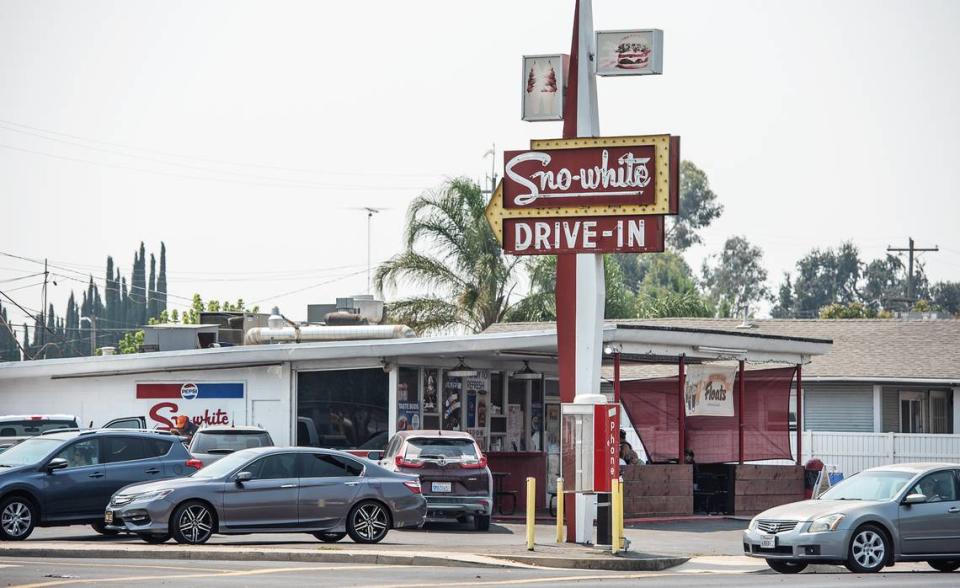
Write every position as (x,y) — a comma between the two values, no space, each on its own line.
(746,324)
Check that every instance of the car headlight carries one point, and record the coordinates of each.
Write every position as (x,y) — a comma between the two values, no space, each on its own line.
(824,524)
(152,495)
(753,523)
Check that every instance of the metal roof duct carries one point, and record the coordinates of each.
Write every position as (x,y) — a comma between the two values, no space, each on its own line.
(306,333)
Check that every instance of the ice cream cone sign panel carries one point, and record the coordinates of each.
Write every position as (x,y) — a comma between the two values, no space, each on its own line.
(544,78)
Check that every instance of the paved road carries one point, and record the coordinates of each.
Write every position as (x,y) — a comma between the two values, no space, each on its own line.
(71,572)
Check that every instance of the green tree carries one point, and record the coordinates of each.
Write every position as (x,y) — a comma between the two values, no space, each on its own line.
(162,279)
(451,253)
(131,342)
(698,208)
(666,303)
(736,278)
(945,296)
(853,310)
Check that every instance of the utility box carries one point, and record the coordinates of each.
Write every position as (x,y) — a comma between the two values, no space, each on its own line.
(590,445)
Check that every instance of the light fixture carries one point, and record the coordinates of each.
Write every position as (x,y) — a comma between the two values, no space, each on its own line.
(462,370)
(526,373)
(721,350)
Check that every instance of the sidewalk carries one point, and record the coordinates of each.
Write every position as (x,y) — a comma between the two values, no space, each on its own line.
(437,545)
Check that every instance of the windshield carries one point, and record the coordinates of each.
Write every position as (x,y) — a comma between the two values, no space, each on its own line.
(435,447)
(869,486)
(221,468)
(229,441)
(31,428)
(29,452)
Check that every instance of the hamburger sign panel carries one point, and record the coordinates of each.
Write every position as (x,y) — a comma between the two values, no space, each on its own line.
(630,53)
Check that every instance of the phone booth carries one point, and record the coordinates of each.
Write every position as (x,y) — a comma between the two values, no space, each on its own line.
(590,456)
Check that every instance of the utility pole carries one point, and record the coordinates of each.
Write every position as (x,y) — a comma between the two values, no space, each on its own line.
(910,250)
(93,333)
(43,309)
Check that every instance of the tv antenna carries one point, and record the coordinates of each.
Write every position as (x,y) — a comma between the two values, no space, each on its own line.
(370,210)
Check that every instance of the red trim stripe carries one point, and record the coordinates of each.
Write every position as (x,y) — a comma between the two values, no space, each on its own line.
(158,390)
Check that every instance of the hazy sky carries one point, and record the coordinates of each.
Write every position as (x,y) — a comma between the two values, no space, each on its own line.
(244,134)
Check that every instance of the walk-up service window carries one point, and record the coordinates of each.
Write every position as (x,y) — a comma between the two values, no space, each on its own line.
(343,409)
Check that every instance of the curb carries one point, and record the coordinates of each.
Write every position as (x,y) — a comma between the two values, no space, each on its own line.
(173,552)
(233,554)
(612,563)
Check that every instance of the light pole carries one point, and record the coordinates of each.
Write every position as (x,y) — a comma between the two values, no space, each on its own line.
(93,333)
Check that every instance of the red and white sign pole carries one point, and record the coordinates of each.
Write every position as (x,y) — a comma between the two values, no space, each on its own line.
(580,290)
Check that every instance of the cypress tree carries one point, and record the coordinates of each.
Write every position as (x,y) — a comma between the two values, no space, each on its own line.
(152,305)
(162,280)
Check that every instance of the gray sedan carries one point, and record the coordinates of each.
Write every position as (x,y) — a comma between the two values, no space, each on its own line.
(326,493)
(903,512)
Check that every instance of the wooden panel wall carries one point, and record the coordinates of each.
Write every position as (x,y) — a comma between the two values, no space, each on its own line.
(657,490)
(759,487)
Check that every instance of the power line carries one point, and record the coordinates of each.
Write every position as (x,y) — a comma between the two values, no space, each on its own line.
(7,124)
(910,250)
(275,184)
(317,285)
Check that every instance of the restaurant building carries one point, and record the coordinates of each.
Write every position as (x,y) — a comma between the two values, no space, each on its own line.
(501,386)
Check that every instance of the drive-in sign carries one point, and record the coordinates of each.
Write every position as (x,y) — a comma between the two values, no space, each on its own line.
(635,234)
(590,176)
(587,195)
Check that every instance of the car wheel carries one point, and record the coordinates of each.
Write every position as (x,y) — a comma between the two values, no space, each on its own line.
(193,522)
(103,530)
(18,517)
(153,538)
(868,550)
(481,522)
(368,522)
(944,565)
(329,537)
(785,566)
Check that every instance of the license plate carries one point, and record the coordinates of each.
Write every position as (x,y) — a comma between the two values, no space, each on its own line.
(442,487)
(768,541)
(108,517)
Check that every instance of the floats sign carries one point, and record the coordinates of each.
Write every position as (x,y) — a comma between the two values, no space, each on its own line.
(204,403)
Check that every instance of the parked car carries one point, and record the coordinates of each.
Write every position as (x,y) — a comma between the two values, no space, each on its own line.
(211,443)
(327,493)
(17,428)
(68,478)
(902,512)
(453,472)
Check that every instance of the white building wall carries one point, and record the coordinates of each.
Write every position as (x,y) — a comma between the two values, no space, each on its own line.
(267,397)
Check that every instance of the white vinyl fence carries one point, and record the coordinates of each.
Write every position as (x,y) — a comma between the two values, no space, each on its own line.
(854,452)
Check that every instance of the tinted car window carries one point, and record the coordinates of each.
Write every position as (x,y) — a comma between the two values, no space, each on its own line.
(29,452)
(156,447)
(124,424)
(321,465)
(229,441)
(82,453)
(273,467)
(937,487)
(27,428)
(434,447)
(117,449)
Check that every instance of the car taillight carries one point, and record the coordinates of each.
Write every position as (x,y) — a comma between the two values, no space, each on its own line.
(194,463)
(402,463)
(475,465)
(413,486)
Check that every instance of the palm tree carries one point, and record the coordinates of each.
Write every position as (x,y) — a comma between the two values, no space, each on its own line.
(450,252)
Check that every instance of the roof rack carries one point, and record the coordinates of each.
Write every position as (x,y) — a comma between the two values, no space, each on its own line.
(63,430)
(136,430)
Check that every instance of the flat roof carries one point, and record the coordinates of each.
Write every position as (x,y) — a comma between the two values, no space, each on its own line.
(508,345)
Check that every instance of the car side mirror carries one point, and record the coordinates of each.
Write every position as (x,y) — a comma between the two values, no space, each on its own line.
(375,455)
(915,499)
(57,463)
(242,477)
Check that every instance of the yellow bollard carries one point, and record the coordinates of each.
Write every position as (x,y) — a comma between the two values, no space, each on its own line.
(560,537)
(620,514)
(614,531)
(531,511)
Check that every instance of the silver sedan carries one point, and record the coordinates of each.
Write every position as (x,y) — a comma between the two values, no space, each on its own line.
(903,512)
(329,494)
